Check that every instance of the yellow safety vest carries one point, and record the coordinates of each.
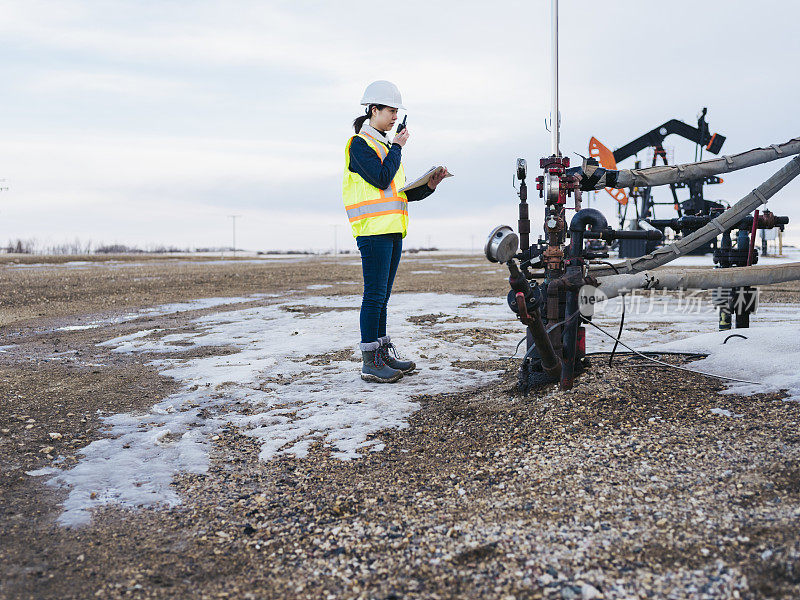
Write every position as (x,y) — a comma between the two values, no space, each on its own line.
(372,211)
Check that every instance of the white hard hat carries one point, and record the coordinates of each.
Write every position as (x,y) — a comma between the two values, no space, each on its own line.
(382,92)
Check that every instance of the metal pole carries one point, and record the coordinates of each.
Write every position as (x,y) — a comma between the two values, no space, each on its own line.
(335,240)
(555,121)
(233,220)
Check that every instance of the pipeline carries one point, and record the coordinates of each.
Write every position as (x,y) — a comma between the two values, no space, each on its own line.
(577,227)
(593,177)
(663,175)
(724,222)
(570,343)
(698,279)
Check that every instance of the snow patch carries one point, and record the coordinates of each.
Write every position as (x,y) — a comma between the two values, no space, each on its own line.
(724,413)
(165,309)
(769,355)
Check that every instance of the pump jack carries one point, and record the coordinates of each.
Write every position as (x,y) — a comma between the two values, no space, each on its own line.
(643,202)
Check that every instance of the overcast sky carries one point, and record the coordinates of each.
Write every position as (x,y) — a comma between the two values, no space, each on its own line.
(149,122)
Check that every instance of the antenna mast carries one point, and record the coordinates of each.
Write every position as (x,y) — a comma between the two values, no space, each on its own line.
(555,117)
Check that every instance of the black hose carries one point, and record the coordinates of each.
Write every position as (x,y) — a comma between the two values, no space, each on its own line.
(621,320)
(661,362)
(515,350)
(733,335)
(619,333)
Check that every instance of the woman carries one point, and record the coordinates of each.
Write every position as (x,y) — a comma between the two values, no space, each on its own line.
(378,214)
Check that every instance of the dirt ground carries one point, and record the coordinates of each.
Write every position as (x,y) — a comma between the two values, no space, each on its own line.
(624,487)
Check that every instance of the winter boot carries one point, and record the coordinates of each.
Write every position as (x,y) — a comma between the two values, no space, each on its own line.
(374,368)
(406,366)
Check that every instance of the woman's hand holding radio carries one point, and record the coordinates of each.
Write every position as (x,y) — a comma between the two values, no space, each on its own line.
(401,138)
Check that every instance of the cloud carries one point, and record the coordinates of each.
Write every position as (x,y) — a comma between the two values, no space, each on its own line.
(73,81)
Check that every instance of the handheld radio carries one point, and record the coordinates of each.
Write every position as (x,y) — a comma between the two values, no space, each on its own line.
(402,125)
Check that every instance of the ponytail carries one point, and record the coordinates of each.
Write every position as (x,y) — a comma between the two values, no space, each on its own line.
(358,122)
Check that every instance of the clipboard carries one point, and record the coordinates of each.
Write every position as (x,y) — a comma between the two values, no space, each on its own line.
(420,181)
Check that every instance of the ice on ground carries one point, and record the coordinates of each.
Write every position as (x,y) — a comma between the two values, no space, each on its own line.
(117,264)
(199,304)
(242,261)
(318,286)
(656,317)
(293,382)
(165,309)
(425,272)
(769,355)
(688,323)
(462,265)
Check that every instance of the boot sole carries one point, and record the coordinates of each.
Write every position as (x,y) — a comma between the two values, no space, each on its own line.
(376,379)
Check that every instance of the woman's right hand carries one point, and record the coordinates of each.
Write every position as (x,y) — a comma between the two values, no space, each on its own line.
(401,138)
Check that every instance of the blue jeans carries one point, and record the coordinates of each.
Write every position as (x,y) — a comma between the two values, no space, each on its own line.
(380,255)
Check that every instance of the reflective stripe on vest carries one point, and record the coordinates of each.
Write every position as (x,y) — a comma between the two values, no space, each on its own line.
(373,208)
(377,146)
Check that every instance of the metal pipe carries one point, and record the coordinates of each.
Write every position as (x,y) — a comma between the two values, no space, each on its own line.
(698,279)
(524,222)
(550,362)
(663,175)
(752,239)
(555,121)
(570,341)
(646,226)
(586,216)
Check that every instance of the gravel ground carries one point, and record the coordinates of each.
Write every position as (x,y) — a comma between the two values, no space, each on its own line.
(626,486)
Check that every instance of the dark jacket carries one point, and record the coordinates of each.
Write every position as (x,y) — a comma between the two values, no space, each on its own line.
(365,162)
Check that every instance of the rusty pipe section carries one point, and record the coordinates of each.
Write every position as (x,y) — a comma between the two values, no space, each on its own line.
(550,361)
(697,279)
(551,364)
